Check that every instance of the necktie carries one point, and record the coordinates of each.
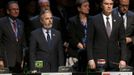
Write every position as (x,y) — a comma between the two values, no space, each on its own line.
(123,20)
(14,26)
(15,29)
(108,27)
(48,39)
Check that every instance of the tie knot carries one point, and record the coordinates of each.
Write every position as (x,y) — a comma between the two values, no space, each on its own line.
(14,21)
(47,31)
(107,18)
(122,14)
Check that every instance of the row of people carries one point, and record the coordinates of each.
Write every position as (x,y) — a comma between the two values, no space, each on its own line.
(90,38)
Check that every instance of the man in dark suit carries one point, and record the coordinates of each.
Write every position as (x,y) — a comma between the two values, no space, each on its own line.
(57,21)
(106,42)
(128,19)
(46,45)
(12,41)
(78,28)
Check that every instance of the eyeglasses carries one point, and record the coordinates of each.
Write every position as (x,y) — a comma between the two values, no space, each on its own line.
(123,5)
(14,9)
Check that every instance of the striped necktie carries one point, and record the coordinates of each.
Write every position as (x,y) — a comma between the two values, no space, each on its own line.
(108,27)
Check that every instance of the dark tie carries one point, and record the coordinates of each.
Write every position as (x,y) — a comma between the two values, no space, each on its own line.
(122,19)
(108,27)
(14,26)
(48,39)
(15,29)
(122,14)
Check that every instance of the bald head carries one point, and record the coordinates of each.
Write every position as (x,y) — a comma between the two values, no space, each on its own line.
(123,1)
(44,4)
(41,1)
(123,6)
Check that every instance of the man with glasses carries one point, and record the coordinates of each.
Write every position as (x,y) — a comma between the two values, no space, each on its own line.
(12,41)
(127,17)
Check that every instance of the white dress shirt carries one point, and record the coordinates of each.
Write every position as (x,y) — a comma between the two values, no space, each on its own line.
(105,20)
(124,19)
(45,32)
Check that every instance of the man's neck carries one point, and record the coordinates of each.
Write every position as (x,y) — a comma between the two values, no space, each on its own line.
(13,18)
(83,17)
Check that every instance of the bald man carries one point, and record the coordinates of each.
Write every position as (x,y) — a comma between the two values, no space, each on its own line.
(44,4)
(128,19)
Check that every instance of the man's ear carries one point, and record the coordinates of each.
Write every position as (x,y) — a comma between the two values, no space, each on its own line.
(78,8)
(7,11)
(41,21)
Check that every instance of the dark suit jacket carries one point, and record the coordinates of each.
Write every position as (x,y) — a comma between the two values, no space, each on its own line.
(129,31)
(100,46)
(9,46)
(64,14)
(76,31)
(130,23)
(35,21)
(52,58)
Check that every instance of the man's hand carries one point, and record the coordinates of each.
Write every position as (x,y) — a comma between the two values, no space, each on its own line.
(22,64)
(128,40)
(66,45)
(1,64)
(122,64)
(91,64)
(80,45)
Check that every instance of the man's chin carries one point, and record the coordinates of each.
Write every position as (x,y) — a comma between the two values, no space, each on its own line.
(48,27)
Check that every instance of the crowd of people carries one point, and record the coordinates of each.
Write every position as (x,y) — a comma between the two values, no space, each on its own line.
(73,33)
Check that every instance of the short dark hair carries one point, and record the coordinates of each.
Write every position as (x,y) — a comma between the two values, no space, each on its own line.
(79,2)
(11,2)
(103,0)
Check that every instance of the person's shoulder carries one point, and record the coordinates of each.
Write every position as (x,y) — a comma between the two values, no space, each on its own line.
(36,31)
(73,18)
(56,31)
(3,18)
(34,18)
(4,21)
(115,9)
(56,18)
(131,13)
(19,20)
(97,16)
(90,16)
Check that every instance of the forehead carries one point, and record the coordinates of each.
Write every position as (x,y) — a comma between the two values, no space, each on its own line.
(107,1)
(13,5)
(85,3)
(46,14)
(44,3)
(124,1)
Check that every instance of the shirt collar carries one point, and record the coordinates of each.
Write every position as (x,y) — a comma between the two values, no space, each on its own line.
(120,14)
(110,16)
(11,20)
(45,30)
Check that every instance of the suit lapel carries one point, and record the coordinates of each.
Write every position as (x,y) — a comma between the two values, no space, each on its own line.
(53,35)
(128,21)
(113,24)
(80,27)
(42,35)
(103,24)
(9,27)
